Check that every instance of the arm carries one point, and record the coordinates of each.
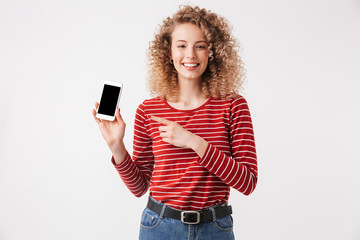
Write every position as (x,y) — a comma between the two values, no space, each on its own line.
(240,170)
(136,172)
(113,133)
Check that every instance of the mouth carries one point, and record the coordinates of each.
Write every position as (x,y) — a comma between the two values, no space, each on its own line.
(190,66)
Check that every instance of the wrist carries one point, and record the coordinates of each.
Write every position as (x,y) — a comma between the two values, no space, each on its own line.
(199,145)
(118,151)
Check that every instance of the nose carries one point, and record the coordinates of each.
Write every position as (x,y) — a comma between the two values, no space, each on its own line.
(191,53)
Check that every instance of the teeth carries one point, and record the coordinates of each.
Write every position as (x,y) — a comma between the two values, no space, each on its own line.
(190,64)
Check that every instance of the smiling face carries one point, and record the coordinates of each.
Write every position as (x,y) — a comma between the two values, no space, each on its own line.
(189,51)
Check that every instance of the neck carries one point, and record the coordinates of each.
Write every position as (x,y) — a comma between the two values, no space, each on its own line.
(190,91)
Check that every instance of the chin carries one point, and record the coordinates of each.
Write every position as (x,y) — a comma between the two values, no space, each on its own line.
(192,77)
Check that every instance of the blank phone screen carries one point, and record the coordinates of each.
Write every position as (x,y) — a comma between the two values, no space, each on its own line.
(109,100)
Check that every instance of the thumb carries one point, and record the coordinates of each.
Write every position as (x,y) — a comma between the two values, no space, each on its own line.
(118,116)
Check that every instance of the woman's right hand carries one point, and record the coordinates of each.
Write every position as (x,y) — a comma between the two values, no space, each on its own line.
(112,131)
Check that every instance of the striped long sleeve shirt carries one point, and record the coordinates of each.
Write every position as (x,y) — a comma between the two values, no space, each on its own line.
(177,176)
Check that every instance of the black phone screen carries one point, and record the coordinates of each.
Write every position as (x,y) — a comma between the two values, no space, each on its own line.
(109,100)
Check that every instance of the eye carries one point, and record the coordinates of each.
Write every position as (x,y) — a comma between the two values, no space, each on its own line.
(200,46)
(181,46)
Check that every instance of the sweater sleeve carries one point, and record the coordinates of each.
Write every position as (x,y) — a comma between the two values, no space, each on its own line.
(240,170)
(136,172)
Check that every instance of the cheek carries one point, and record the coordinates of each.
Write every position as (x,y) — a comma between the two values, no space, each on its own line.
(205,59)
(205,55)
(176,55)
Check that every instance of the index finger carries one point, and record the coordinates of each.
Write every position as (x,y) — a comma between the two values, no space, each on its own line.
(161,120)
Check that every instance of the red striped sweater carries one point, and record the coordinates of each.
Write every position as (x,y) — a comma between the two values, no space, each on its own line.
(178,177)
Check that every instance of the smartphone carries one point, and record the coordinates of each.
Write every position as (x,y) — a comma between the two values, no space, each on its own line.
(109,100)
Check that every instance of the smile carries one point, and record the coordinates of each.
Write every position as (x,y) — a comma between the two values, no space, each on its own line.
(190,65)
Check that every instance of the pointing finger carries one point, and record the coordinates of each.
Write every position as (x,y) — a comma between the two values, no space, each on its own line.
(161,120)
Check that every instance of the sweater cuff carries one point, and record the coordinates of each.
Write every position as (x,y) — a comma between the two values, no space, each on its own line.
(212,159)
(207,155)
(121,165)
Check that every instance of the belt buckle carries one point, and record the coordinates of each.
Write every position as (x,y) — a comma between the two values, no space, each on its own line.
(190,219)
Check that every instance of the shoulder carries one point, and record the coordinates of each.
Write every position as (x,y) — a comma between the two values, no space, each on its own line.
(237,98)
(150,103)
(238,101)
(143,109)
(235,101)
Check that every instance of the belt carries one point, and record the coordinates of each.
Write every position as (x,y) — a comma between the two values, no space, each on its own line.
(191,217)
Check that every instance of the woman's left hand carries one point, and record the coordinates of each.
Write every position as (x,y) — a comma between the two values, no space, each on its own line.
(171,132)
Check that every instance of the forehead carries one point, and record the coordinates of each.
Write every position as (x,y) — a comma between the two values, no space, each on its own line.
(187,32)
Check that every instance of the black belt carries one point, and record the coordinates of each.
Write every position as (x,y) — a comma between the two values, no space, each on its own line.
(191,217)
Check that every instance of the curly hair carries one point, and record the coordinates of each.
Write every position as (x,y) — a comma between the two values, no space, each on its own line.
(225,73)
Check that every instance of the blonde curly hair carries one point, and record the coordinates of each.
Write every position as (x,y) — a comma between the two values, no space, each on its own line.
(225,73)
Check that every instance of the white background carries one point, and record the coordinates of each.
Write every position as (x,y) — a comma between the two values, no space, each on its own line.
(56,178)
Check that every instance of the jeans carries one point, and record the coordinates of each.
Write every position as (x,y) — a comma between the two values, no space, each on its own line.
(156,227)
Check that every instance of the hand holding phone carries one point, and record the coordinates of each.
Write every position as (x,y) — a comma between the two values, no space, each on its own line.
(109,100)
(112,131)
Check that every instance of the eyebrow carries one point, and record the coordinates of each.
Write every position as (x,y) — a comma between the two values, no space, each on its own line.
(195,42)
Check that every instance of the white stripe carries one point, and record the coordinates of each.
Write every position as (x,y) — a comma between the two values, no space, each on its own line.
(247,185)
(137,125)
(245,168)
(222,162)
(243,139)
(185,175)
(142,151)
(171,154)
(214,163)
(246,151)
(187,187)
(173,181)
(230,170)
(144,142)
(175,196)
(191,192)
(210,158)
(225,169)
(237,170)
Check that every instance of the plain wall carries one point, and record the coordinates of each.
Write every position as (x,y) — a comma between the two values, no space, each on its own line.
(56,178)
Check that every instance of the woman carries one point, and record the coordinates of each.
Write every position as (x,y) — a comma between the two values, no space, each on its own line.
(193,140)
